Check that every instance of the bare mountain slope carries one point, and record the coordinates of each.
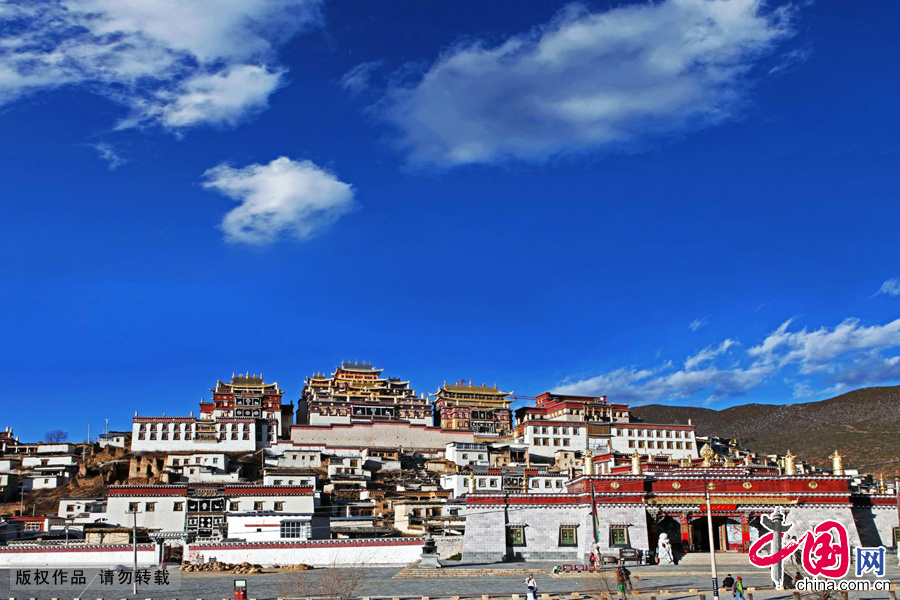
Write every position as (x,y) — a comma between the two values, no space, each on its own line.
(864,425)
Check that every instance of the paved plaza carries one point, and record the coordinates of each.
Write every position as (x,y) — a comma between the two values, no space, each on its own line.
(670,582)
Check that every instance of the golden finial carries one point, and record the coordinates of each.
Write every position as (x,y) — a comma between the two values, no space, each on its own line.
(707,454)
(790,464)
(636,464)
(837,463)
(588,462)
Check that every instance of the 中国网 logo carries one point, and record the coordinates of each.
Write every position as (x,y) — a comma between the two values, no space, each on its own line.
(824,551)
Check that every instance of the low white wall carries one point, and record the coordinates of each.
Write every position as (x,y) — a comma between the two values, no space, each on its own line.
(86,556)
(401,551)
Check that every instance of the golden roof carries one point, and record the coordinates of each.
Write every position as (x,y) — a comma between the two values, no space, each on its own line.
(474,389)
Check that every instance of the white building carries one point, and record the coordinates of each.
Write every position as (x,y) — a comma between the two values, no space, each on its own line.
(56,448)
(544,438)
(114,439)
(346,465)
(276,527)
(9,486)
(201,509)
(673,441)
(300,459)
(203,468)
(82,510)
(497,481)
(38,460)
(289,477)
(189,435)
(10,464)
(465,454)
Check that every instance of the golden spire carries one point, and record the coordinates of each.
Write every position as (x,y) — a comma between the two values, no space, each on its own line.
(837,463)
(588,462)
(707,454)
(636,464)
(790,465)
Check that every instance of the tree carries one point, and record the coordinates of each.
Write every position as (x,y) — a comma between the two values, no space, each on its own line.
(331,583)
(56,436)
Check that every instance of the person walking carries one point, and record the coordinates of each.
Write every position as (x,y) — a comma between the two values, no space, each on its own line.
(738,589)
(728,582)
(620,581)
(531,587)
(626,579)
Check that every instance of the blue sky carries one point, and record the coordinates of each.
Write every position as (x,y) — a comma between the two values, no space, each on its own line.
(683,201)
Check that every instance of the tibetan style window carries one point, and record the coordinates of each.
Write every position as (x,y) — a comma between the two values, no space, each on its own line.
(279,506)
(618,536)
(515,535)
(295,529)
(178,506)
(150,506)
(568,535)
(257,506)
(132,507)
(233,506)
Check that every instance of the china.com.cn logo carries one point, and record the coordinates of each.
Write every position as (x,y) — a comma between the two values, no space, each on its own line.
(825,550)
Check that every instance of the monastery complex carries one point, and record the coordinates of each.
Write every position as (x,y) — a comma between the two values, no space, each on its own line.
(365,459)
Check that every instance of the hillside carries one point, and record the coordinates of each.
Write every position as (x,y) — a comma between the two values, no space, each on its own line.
(864,425)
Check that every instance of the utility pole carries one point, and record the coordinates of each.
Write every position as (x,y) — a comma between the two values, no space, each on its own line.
(134,548)
(712,549)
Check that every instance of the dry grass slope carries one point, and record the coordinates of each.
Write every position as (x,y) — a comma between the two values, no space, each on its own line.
(864,425)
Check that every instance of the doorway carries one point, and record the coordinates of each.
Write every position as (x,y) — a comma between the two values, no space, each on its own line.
(727,536)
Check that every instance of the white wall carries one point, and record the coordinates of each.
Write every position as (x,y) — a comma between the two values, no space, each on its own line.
(43,448)
(42,482)
(266,527)
(544,438)
(317,553)
(467,454)
(289,479)
(164,517)
(30,462)
(654,439)
(305,459)
(113,440)
(182,428)
(76,555)
(379,434)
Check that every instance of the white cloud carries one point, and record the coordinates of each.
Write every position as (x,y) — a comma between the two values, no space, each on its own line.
(656,385)
(817,363)
(891,287)
(818,350)
(109,154)
(356,80)
(698,323)
(171,62)
(220,98)
(282,198)
(707,354)
(585,80)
